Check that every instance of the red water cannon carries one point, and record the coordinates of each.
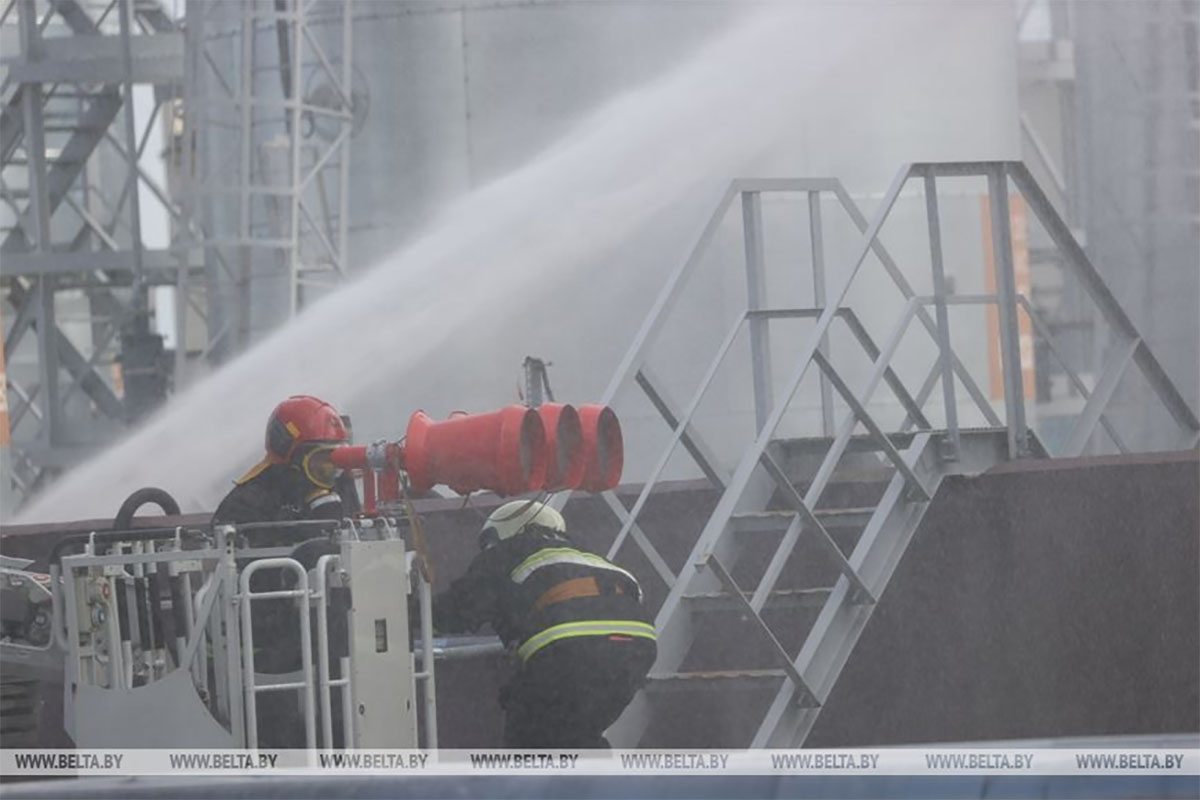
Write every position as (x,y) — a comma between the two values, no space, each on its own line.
(603,448)
(565,463)
(511,451)
(584,449)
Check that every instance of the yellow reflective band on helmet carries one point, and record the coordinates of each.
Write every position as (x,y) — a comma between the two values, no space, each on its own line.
(595,627)
(564,555)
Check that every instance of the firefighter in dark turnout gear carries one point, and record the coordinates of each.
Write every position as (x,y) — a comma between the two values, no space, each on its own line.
(575,620)
(295,480)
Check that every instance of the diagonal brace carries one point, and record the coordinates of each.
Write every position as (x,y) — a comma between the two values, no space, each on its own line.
(893,380)
(700,452)
(639,536)
(807,520)
(1099,399)
(889,449)
(805,696)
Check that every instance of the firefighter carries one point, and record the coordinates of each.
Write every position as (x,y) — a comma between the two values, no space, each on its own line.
(575,620)
(296,479)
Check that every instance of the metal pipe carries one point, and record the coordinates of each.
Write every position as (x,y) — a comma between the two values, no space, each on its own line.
(249,689)
(101,538)
(943,316)
(226,644)
(816,239)
(1009,332)
(181,617)
(347,705)
(141,596)
(465,651)
(322,599)
(56,604)
(295,262)
(119,590)
(425,597)
(343,226)
(756,296)
(126,23)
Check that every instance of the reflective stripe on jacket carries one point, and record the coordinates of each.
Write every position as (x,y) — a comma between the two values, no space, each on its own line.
(538,588)
(598,627)
(548,556)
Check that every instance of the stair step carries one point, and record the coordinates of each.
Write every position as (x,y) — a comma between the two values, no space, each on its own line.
(863,443)
(778,521)
(720,680)
(72,128)
(780,599)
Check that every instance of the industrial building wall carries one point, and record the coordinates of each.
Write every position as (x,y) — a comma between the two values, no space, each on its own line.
(1038,600)
(1138,121)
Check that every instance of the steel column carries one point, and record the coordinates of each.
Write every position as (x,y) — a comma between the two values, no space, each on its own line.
(294,256)
(347,91)
(245,175)
(35,150)
(816,239)
(131,138)
(943,316)
(1010,344)
(756,298)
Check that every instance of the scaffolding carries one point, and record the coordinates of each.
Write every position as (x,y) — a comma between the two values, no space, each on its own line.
(270,83)
(75,184)
(73,223)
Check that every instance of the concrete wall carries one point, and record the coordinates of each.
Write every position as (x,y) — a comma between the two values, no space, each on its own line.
(1038,600)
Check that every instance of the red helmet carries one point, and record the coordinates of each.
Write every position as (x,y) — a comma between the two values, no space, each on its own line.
(302,419)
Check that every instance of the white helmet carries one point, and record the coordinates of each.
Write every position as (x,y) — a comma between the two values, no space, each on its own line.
(511,518)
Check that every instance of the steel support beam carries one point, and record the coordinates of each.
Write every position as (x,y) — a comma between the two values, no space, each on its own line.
(699,450)
(33,48)
(131,139)
(817,244)
(945,353)
(1010,342)
(1044,211)
(156,59)
(756,298)
(1099,399)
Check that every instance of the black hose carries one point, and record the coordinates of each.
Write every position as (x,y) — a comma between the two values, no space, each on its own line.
(122,609)
(148,494)
(142,604)
(179,609)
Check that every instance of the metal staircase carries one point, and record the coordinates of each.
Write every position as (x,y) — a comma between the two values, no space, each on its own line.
(808,529)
